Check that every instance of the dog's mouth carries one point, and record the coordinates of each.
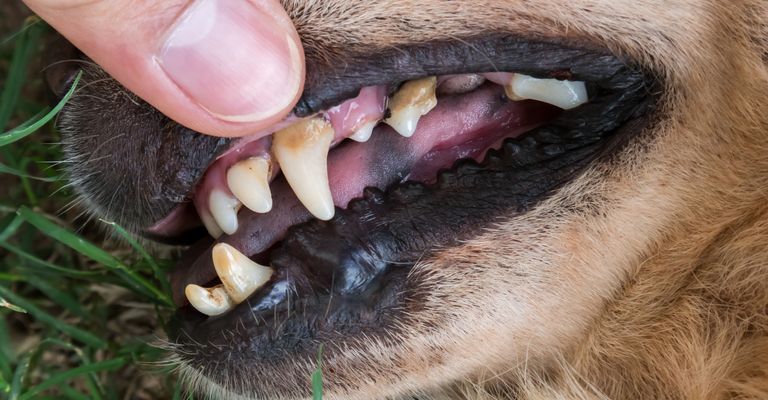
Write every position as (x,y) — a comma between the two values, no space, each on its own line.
(318,224)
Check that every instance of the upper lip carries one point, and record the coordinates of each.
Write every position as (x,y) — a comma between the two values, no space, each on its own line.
(330,82)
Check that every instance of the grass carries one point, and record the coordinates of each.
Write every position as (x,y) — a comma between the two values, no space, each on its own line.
(77,316)
(78,310)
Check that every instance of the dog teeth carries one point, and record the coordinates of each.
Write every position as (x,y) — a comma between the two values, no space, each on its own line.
(211,226)
(363,133)
(302,151)
(410,103)
(249,182)
(224,210)
(209,301)
(239,275)
(563,94)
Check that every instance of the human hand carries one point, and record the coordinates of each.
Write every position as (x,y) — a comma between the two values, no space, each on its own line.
(220,67)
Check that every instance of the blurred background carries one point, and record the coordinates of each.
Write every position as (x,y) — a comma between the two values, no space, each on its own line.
(81,302)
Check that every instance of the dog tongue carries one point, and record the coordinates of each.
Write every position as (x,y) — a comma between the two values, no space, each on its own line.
(464,126)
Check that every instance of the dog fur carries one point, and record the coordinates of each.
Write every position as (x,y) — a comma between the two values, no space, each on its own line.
(644,278)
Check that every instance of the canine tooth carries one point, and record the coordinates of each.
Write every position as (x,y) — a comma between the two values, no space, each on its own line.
(364,132)
(224,210)
(302,151)
(238,273)
(249,182)
(413,100)
(211,226)
(563,94)
(209,301)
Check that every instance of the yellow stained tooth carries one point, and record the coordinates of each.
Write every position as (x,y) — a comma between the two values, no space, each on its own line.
(302,151)
(209,301)
(413,100)
(563,94)
(239,274)
(248,180)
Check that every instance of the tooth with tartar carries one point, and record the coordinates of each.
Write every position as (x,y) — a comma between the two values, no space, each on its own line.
(364,132)
(302,151)
(210,225)
(413,100)
(563,94)
(224,210)
(239,274)
(248,180)
(209,301)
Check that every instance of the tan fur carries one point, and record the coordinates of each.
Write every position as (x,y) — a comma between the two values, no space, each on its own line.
(646,278)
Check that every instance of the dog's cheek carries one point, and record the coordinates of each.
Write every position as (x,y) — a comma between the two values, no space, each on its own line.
(127,162)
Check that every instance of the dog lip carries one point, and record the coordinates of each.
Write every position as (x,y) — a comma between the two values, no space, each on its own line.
(385,233)
(329,82)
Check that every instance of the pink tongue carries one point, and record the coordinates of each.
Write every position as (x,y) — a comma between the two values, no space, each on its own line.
(460,126)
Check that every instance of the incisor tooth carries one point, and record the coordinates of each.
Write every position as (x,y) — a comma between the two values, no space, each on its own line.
(211,225)
(563,94)
(224,210)
(249,182)
(209,301)
(364,132)
(240,276)
(411,102)
(302,151)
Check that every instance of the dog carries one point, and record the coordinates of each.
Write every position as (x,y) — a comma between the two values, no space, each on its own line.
(617,249)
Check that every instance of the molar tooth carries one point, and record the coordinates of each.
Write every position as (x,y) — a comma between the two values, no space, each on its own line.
(224,210)
(410,103)
(302,151)
(249,182)
(363,133)
(238,273)
(210,225)
(563,94)
(209,301)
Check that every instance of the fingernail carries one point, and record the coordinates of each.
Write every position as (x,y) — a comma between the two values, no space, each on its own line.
(236,61)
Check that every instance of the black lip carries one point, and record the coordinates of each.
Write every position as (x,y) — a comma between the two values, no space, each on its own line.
(349,276)
(329,84)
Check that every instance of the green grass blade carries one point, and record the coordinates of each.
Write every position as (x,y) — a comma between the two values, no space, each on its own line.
(74,394)
(17,384)
(156,270)
(4,169)
(7,354)
(10,277)
(317,377)
(40,114)
(57,379)
(60,297)
(134,280)
(72,273)
(24,131)
(14,222)
(45,318)
(24,47)
(5,386)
